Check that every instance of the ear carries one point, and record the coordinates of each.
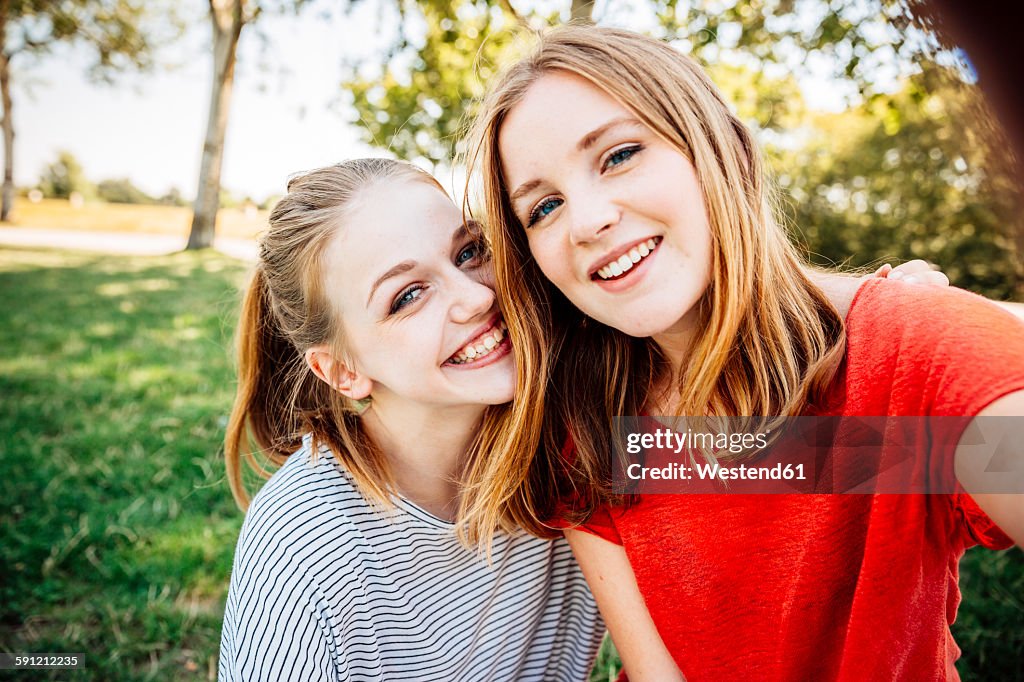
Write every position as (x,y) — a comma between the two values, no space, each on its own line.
(338,374)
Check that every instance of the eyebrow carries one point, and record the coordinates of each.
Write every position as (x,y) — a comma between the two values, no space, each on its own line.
(404,266)
(588,140)
(585,143)
(461,232)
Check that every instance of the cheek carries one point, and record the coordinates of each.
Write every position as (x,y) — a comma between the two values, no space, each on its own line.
(550,255)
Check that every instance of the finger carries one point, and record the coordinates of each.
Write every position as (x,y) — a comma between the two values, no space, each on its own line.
(914,267)
(934,277)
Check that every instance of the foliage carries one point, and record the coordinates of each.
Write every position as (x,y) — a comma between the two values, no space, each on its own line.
(418,109)
(423,86)
(63,177)
(173,197)
(121,33)
(918,174)
(122,191)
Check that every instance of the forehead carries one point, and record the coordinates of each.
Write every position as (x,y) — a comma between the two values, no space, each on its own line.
(390,221)
(396,211)
(558,107)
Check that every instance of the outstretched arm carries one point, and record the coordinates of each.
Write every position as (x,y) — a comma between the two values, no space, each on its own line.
(1005,508)
(611,579)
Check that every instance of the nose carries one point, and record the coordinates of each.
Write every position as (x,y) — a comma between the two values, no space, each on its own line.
(590,217)
(471,298)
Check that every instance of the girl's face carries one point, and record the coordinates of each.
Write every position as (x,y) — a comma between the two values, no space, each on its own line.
(415,292)
(614,215)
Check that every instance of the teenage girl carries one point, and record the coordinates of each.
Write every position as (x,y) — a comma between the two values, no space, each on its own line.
(375,368)
(623,192)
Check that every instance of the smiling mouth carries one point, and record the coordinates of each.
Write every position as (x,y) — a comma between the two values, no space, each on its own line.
(482,346)
(625,263)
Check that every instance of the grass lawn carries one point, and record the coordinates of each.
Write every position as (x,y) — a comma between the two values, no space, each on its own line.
(118,527)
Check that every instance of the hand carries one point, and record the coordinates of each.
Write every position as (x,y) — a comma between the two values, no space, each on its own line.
(914,272)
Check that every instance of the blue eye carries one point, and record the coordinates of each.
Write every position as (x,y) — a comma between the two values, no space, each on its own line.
(620,156)
(544,209)
(472,251)
(406,297)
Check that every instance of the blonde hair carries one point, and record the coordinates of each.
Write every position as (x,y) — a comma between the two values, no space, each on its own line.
(771,342)
(286,311)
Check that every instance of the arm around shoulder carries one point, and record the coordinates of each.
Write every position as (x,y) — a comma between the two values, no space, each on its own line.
(613,583)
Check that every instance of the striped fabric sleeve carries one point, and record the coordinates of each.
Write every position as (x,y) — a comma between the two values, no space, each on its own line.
(279,629)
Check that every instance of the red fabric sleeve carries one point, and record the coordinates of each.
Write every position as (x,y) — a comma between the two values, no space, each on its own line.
(981,530)
(600,523)
(965,353)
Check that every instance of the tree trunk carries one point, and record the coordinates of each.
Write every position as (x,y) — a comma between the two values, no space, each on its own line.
(7,199)
(582,11)
(228,19)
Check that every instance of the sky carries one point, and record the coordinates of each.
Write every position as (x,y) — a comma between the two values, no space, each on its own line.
(286,117)
(150,127)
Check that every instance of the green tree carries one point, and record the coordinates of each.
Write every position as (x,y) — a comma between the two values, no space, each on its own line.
(418,111)
(63,177)
(122,191)
(413,100)
(118,32)
(912,175)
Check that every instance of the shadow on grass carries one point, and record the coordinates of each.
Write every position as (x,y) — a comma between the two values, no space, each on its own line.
(115,382)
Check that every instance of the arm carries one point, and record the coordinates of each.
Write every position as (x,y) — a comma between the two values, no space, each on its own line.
(999,493)
(611,579)
(1015,308)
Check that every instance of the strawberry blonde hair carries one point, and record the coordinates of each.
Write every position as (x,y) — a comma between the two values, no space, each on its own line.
(770,341)
(286,311)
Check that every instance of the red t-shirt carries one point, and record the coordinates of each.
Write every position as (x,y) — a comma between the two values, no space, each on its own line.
(835,587)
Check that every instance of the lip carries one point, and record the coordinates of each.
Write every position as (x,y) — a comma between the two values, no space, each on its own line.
(617,254)
(487,326)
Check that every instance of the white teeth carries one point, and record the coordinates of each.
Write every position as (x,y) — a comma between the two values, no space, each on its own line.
(481,346)
(625,262)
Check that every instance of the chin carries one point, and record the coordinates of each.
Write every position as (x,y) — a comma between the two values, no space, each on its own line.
(643,326)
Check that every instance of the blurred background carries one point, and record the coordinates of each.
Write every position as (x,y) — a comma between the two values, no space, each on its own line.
(133,130)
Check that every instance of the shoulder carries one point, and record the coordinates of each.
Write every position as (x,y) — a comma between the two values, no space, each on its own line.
(923,316)
(954,350)
(301,513)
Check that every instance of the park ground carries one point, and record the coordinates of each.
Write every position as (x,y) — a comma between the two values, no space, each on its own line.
(116,379)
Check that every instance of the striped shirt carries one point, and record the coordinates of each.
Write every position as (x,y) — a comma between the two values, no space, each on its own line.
(326,587)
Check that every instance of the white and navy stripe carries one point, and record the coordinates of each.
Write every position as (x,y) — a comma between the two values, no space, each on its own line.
(325,587)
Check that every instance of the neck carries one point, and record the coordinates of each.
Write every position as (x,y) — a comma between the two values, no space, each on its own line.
(676,345)
(425,447)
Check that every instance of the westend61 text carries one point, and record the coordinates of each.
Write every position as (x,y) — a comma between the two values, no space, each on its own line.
(714,470)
